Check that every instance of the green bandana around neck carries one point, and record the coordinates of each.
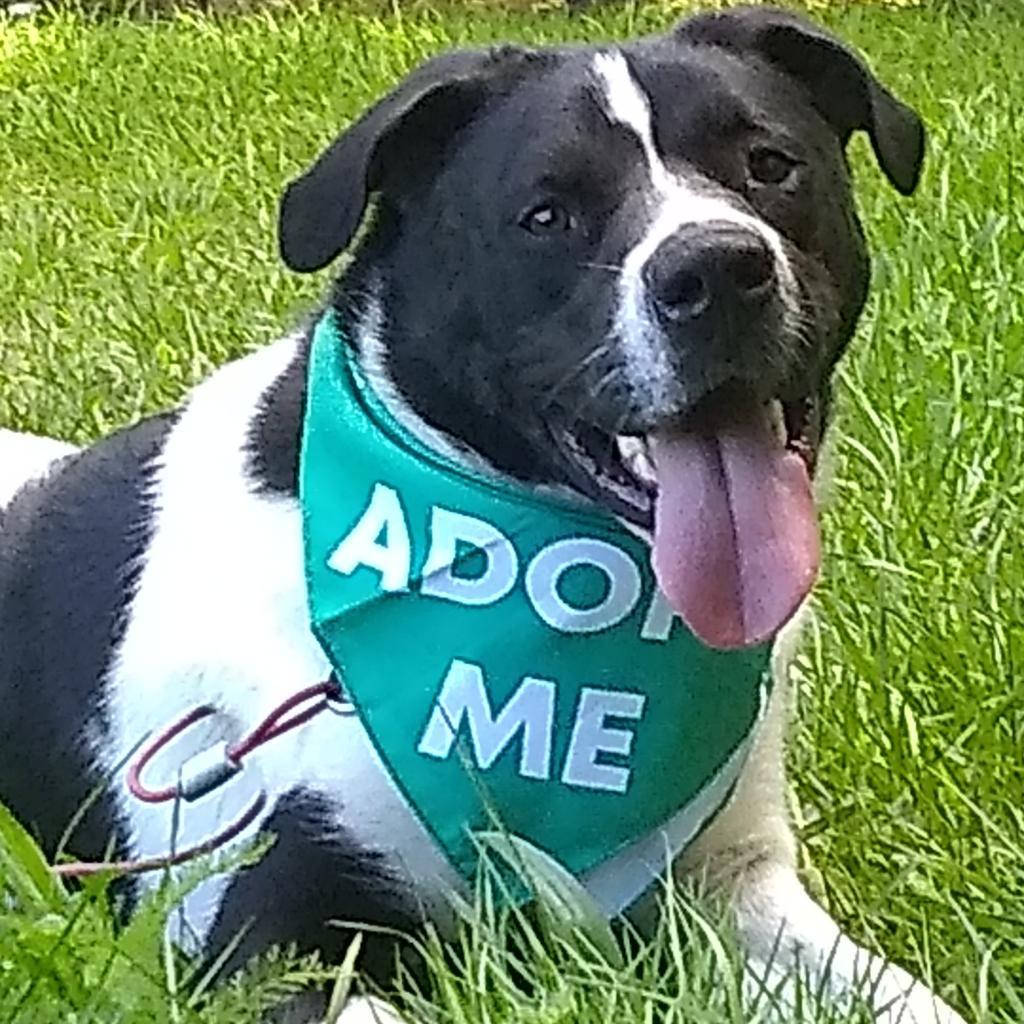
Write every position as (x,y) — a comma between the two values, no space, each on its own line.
(508,651)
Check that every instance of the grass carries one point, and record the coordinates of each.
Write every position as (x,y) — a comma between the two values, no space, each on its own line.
(139,170)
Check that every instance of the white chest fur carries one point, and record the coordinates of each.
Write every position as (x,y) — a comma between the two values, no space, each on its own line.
(219,617)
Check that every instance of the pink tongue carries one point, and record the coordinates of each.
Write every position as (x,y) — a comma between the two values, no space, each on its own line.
(736,545)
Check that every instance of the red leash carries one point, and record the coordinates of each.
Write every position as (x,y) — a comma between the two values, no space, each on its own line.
(83,868)
(212,769)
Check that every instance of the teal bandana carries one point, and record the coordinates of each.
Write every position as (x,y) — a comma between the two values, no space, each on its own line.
(508,652)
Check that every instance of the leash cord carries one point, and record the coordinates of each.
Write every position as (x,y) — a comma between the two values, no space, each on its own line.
(216,766)
(83,869)
(230,756)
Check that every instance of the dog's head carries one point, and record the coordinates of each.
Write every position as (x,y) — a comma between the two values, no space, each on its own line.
(629,270)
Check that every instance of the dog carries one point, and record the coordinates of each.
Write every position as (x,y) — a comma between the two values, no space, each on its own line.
(617,277)
(24,457)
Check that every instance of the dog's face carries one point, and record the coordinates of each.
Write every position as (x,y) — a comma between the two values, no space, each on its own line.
(628,270)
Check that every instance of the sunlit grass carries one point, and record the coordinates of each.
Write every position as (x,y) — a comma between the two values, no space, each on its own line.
(139,170)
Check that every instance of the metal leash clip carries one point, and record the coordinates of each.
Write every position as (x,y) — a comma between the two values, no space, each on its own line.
(210,769)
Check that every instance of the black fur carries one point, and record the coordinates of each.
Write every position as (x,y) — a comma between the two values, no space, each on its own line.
(313,876)
(507,365)
(838,83)
(317,220)
(273,442)
(67,574)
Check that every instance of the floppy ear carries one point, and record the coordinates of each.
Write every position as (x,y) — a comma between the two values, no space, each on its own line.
(841,87)
(321,210)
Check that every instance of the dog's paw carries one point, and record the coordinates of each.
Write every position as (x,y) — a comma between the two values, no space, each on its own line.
(368,1010)
(791,997)
(920,1007)
(898,998)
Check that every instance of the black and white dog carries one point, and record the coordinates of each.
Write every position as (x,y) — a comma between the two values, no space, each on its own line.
(554,259)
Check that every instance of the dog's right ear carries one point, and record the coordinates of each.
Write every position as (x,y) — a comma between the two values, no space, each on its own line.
(321,210)
(840,85)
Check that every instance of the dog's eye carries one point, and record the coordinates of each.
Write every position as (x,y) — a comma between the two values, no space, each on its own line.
(770,166)
(547,219)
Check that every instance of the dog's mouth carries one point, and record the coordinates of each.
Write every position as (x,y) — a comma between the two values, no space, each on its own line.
(726,492)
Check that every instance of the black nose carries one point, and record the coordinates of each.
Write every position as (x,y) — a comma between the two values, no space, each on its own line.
(712,267)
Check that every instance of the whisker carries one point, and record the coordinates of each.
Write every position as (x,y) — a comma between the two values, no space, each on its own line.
(577,370)
(613,267)
(606,379)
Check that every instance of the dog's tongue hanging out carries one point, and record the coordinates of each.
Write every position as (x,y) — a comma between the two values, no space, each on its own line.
(736,545)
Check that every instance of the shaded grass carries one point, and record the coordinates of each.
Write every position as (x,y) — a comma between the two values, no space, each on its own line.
(62,958)
(139,170)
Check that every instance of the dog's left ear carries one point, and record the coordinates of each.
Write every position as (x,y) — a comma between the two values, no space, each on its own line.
(395,139)
(842,88)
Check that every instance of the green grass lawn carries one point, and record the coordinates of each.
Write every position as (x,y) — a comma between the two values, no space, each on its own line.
(139,171)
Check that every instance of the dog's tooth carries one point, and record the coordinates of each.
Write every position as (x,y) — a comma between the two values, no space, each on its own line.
(644,467)
(633,451)
(628,447)
(636,458)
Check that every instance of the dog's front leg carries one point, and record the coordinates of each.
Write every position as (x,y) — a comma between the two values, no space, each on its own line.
(369,1010)
(787,936)
(749,852)
(311,1008)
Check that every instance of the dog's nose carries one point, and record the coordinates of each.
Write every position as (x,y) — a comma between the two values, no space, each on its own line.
(711,268)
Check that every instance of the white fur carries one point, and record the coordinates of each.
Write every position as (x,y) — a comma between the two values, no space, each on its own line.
(368,1010)
(24,457)
(239,640)
(676,202)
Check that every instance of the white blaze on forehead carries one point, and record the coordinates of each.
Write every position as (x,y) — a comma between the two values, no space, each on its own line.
(628,104)
(677,202)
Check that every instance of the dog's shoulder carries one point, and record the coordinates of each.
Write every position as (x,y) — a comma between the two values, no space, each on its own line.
(70,546)
(245,421)
(76,530)
(80,542)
